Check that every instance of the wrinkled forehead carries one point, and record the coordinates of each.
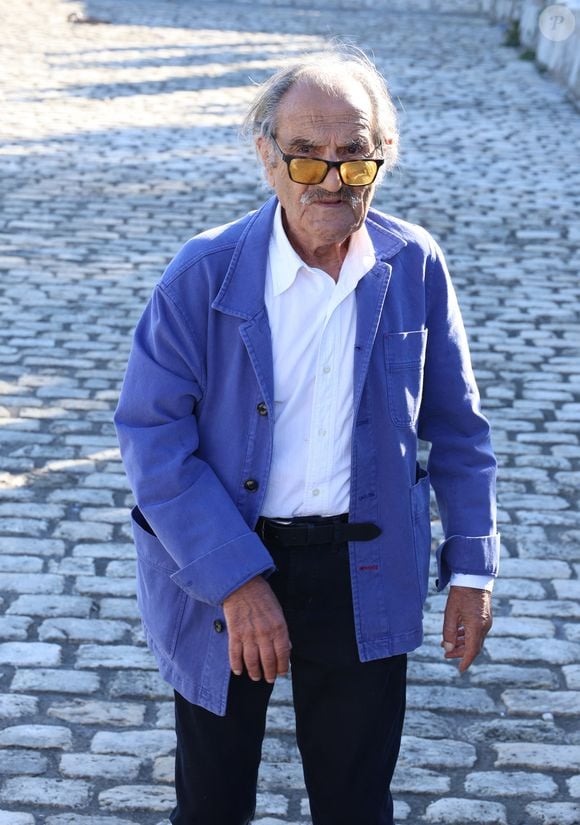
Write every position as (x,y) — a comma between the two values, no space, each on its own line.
(321,114)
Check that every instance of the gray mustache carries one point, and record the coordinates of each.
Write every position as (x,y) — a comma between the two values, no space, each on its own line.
(321,195)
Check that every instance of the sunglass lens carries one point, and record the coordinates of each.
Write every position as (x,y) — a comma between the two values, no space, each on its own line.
(359,172)
(305,170)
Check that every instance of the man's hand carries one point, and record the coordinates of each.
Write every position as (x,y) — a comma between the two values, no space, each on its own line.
(467,622)
(258,635)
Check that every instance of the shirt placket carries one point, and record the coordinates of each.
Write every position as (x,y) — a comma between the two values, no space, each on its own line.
(324,413)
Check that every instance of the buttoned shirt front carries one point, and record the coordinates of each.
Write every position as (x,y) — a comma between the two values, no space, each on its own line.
(313,325)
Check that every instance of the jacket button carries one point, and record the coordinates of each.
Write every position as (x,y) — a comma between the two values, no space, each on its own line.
(262,408)
(251,485)
(218,626)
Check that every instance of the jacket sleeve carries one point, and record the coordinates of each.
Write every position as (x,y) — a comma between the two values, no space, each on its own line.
(180,496)
(461,463)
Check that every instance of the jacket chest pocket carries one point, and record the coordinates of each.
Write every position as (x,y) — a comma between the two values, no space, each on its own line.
(405,360)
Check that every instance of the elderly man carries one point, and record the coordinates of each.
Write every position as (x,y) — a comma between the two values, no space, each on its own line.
(279,380)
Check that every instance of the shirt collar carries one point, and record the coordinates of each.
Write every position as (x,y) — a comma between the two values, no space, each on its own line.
(285,262)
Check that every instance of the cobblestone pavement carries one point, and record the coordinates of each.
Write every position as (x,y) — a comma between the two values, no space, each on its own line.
(118,143)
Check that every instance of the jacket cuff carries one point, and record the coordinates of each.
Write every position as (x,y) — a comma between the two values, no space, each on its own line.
(472,555)
(214,576)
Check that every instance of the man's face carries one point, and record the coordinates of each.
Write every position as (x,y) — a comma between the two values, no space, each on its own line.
(313,123)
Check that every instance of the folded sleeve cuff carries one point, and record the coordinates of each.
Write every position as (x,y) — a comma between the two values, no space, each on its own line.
(470,555)
(214,576)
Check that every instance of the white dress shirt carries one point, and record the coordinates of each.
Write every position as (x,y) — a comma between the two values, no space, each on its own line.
(313,325)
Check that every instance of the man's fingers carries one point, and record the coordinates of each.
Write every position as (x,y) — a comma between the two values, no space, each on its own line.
(282,647)
(252,661)
(236,656)
(472,648)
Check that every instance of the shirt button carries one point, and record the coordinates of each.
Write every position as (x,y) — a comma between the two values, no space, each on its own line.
(322,433)
(326,370)
(316,492)
(218,626)
(262,408)
(251,485)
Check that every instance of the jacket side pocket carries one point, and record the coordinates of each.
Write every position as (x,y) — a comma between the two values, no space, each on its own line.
(161,602)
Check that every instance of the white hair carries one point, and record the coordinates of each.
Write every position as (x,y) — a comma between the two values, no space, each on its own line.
(326,70)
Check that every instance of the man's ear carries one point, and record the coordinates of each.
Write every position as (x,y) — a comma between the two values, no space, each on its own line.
(264,149)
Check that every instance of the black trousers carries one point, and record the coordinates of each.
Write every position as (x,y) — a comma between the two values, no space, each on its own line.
(349,715)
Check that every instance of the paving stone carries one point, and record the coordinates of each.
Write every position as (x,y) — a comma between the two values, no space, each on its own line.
(533,677)
(426,724)
(279,749)
(429,672)
(436,753)
(280,718)
(474,700)
(546,757)
(31,546)
(76,819)
(96,712)
(164,769)
(114,656)
(15,818)
(549,607)
(462,811)
(574,786)
(555,651)
(60,793)
(56,681)
(535,569)
(141,684)
(13,707)
(51,606)
(119,609)
(137,798)
(554,813)
(165,715)
(15,762)
(419,781)
(90,765)
(14,628)
(533,702)
(21,564)
(269,803)
(107,550)
(32,582)
(572,676)
(567,589)
(518,588)
(36,736)
(510,783)
(22,654)
(532,628)
(145,743)
(104,585)
(64,629)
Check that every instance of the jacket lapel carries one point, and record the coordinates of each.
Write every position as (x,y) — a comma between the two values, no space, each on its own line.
(371,293)
(242,295)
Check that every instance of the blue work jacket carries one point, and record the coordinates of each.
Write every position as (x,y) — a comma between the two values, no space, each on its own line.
(195,424)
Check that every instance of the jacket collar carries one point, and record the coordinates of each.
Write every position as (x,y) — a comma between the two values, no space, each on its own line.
(242,290)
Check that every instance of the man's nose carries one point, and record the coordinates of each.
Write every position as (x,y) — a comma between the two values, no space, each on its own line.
(332,181)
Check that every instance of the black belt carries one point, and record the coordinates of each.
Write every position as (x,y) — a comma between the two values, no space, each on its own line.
(315,530)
